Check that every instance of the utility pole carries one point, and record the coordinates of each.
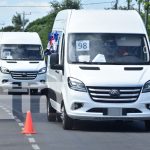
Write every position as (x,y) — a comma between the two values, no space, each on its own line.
(2,24)
(146,13)
(23,18)
(128,1)
(24,14)
(116,4)
(139,7)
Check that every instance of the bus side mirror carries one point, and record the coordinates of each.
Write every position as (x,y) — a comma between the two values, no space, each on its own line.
(47,52)
(54,59)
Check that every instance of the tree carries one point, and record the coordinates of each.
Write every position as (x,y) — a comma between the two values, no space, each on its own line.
(56,6)
(146,7)
(139,5)
(71,4)
(65,4)
(8,29)
(18,22)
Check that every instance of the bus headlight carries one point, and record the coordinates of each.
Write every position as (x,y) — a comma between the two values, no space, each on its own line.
(42,70)
(146,87)
(76,85)
(4,70)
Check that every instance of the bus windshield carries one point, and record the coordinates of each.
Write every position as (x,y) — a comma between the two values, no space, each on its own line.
(21,52)
(105,48)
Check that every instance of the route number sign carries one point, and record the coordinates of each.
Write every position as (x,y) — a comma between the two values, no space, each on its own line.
(82,45)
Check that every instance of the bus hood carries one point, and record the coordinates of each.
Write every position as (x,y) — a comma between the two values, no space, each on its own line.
(111,75)
(23,65)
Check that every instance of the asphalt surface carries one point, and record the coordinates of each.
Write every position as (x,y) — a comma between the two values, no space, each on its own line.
(114,135)
(10,137)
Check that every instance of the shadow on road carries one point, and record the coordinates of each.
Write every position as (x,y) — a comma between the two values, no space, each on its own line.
(101,126)
(110,126)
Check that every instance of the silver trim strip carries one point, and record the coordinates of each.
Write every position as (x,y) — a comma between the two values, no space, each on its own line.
(121,95)
(112,99)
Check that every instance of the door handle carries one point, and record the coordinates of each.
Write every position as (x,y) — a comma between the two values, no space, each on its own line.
(56,71)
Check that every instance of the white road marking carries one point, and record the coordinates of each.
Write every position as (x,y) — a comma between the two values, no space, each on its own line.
(21,124)
(18,120)
(12,117)
(4,108)
(28,134)
(10,114)
(35,147)
(15,117)
(31,140)
(7,111)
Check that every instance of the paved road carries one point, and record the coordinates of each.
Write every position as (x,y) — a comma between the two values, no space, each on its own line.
(85,136)
(10,137)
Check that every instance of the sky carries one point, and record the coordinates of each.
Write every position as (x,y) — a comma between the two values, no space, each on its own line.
(32,13)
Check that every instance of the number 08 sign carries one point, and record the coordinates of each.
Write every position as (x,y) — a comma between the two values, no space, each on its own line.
(82,45)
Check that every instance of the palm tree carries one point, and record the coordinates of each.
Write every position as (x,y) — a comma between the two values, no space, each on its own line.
(18,22)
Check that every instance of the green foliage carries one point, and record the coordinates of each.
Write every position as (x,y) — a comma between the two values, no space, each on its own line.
(71,4)
(56,6)
(66,4)
(42,26)
(17,22)
(8,29)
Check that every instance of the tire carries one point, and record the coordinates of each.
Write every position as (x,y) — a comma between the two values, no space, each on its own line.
(67,122)
(58,116)
(33,91)
(44,92)
(51,112)
(147,125)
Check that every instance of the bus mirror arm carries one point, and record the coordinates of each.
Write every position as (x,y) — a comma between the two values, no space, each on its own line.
(57,67)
